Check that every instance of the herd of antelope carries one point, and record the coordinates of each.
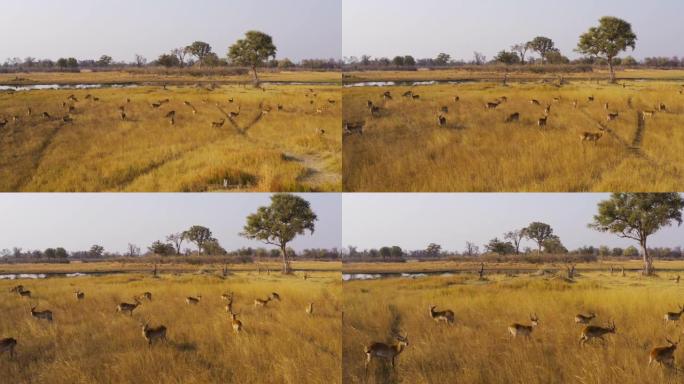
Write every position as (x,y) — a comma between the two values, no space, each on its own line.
(663,355)
(149,333)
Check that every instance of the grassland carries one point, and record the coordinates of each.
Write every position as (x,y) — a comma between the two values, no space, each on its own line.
(479,349)
(261,149)
(403,148)
(88,342)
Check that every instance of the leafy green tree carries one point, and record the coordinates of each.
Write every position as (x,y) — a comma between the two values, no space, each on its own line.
(213,248)
(507,58)
(637,216)
(62,62)
(442,59)
(553,245)
(396,252)
(279,223)
(200,50)
(542,45)
(612,36)
(433,250)
(538,232)
(617,252)
(398,61)
(199,235)
(409,61)
(631,251)
(104,61)
(168,60)
(501,247)
(61,253)
(385,253)
(252,51)
(50,253)
(72,62)
(96,251)
(161,249)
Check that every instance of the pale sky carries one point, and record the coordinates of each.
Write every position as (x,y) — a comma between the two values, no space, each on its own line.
(76,221)
(460,27)
(412,221)
(122,28)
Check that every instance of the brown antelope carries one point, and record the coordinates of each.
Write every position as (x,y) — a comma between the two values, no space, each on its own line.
(67,119)
(595,332)
(280,107)
(46,115)
(171,115)
(542,121)
(7,345)
(584,319)
(96,99)
(369,104)
(441,120)
(446,316)
(23,293)
(230,100)
(374,110)
(387,95)
(456,98)
(127,307)
(612,116)
(491,105)
(309,309)
(386,351)
(3,123)
(123,115)
(547,110)
(16,289)
(590,98)
(588,136)
(234,114)
(674,316)
(331,101)
(79,295)
(41,315)
(444,109)
(72,98)
(574,103)
(415,97)
(663,355)
(556,99)
(152,334)
(662,107)
(605,106)
(534,102)
(193,300)
(155,105)
(218,124)
(29,111)
(88,96)
(351,128)
(517,329)
(503,99)
(648,113)
(513,117)
(128,100)
(237,324)
(407,94)
(274,296)
(261,303)
(146,295)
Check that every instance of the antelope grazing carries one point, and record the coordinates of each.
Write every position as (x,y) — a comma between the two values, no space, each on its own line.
(41,315)
(444,109)
(23,293)
(152,334)
(127,307)
(663,355)
(79,295)
(234,114)
(517,329)
(387,95)
(648,113)
(590,99)
(442,120)
(547,110)
(584,319)
(155,105)
(534,102)
(542,121)
(612,116)
(674,316)
(237,324)
(503,99)
(170,115)
(662,107)
(374,110)
(7,345)
(274,296)
(46,116)
(386,351)
(331,101)
(309,309)
(513,117)
(261,303)
(446,316)
(407,94)
(351,128)
(193,300)
(415,97)
(491,105)
(218,124)
(595,332)
(146,296)
(588,136)
(67,119)
(123,116)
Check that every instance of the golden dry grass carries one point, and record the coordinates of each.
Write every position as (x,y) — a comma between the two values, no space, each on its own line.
(89,342)
(404,148)
(282,150)
(478,347)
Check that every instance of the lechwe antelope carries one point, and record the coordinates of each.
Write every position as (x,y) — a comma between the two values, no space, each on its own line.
(446,316)
(612,116)
(7,345)
(218,124)
(237,324)
(152,334)
(234,114)
(595,332)
(274,296)
(24,293)
(674,316)
(648,113)
(41,315)
(261,303)
(542,121)
(517,329)
(193,300)
(146,296)
(441,120)
(127,307)
(588,136)
(584,319)
(351,128)
(386,351)
(387,95)
(663,355)
(535,102)
(17,288)
(79,295)
(491,105)
(513,117)
(309,309)
(547,110)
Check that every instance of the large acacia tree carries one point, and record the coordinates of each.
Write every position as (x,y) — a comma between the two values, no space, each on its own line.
(611,37)
(539,232)
(279,223)
(637,216)
(542,45)
(200,50)
(252,51)
(199,235)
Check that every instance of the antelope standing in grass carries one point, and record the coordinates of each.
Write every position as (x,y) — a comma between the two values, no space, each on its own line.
(648,113)
(456,98)
(588,136)
(164,101)
(261,303)
(229,301)
(7,345)
(170,115)
(128,100)
(446,316)
(386,351)
(415,97)
(491,105)
(350,128)
(663,355)
(280,107)
(67,119)
(123,115)
(369,104)
(218,124)
(547,110)
(151,334)
(3,123)
(88,96)
(15,118)
(29,111)
(24,293)
(146,296)
(584,319)
(590,99)
(309,309)
(674,316)
(513,117)
(237,324)
(542,121)
(79,295)
(612,116)
(662,107)
(444,109)
(46,116)
(605,106)
(387,95)
(407,94)
(331,101)
(41,315)
(374,110)
(234,114)
(442,120)
(274,296)
(96,99)
(517,329)
(556,99)
(595,332)
(127,307)
(72,98)
(534,102)
(72,109)
(155,105)
(193,300)
(17,288)
(231,100)
(574,104)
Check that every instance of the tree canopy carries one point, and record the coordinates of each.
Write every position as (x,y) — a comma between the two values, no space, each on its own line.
(252,51)
(612,36)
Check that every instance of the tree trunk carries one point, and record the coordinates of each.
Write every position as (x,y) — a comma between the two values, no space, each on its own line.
(648,261)
(612,71)
(286,263)
(256,76)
